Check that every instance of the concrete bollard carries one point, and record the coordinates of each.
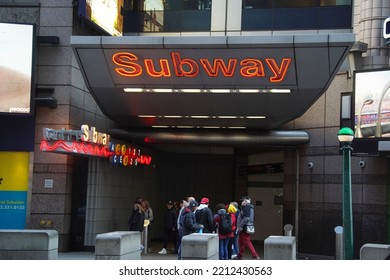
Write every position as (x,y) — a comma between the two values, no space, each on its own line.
(200,246)
(280,248)
(371,251)
(28,244)
(339,242)
(288,230)
(118,245)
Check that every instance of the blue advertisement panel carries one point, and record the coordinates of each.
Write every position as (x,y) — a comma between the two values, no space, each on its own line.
(14,178)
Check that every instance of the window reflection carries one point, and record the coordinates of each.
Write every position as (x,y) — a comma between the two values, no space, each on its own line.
(261,4)
(167,15)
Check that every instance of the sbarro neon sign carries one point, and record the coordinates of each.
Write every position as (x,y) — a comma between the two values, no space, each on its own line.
(88,141)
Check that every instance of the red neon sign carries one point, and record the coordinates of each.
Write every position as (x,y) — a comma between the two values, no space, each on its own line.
(73,147)
(128,156)
(130,66)
(118,154)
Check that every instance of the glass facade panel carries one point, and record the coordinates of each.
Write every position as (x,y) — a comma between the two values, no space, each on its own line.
(261,4)
(167,15)
(258,15)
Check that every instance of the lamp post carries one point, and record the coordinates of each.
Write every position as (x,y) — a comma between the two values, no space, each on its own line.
(346,136)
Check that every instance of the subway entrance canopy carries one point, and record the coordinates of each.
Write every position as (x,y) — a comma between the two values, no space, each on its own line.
(219,90)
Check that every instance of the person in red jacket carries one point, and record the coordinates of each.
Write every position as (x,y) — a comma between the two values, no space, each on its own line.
(224,237)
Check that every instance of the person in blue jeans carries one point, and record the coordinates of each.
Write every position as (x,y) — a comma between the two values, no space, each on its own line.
(223,238)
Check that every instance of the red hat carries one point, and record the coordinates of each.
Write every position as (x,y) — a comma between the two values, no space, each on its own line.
(204,200)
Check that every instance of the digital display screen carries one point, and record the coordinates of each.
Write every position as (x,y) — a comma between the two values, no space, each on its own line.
(372,104)
(106,14)
(16,65)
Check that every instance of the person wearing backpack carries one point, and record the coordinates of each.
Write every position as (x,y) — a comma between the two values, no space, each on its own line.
(224,223)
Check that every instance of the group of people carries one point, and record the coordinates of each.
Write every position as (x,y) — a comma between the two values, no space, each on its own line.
(229,221)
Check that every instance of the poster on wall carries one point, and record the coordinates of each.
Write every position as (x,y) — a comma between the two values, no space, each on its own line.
(372,104)
(16,68)
(14,180)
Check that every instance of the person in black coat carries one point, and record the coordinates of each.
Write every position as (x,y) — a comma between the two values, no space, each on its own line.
(137,217)
(189,221)
(204,216)
(169,227)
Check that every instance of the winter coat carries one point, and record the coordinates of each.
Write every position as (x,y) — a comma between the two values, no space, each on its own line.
(189,222)
(217,219)
(137,218)
(204,216)
(247,215)
(170,219)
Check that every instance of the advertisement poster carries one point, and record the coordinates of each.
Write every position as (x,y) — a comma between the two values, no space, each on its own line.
(16,56)
(14,178)
(372,103)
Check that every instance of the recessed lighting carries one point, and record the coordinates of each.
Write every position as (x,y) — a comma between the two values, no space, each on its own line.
(163,90)
(275,90)
(219,90)
(133,89)
(249,90)
(194,90)
(227,117)
(173,117)
(255,117)
(147,116)
(200,117)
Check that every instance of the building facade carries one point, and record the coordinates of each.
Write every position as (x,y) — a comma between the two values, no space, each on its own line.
(297,182)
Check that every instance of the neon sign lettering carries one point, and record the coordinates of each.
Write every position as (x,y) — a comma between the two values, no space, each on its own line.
(85,134)
(92,143)
(127,156)
(74,147)
(130,66)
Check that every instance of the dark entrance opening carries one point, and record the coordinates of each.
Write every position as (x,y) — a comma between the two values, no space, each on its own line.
(79,195)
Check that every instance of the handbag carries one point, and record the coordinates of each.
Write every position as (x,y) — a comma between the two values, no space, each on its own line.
(250,228)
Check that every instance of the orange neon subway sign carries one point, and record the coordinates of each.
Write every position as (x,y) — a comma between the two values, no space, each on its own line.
(128,65)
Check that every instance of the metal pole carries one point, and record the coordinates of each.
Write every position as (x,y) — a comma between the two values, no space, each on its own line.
(347,203)
(297,199)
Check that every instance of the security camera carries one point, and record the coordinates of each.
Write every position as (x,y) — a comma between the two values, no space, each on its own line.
(362,163)
(310,165)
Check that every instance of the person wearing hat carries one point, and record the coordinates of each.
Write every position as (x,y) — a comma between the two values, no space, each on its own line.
(204,216)
(169,228)
(188,221)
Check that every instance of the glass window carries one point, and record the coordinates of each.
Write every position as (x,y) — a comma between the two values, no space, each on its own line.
(167,15)
(296,3)
(257,4)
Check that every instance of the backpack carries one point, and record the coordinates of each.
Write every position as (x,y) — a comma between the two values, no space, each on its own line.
(225,223)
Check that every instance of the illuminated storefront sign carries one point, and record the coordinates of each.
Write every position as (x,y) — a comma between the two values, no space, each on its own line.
(85,134)
(88,141)
(129,65)
(127,155)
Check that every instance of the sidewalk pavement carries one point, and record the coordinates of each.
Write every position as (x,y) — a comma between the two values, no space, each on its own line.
(157,246)
(151,255)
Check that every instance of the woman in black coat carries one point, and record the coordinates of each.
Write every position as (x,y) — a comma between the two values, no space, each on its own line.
(137,217)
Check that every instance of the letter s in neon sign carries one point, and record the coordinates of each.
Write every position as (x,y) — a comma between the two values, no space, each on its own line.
(129,68)
(84,133)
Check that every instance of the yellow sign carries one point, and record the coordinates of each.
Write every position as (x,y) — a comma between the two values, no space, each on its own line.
(14,171)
